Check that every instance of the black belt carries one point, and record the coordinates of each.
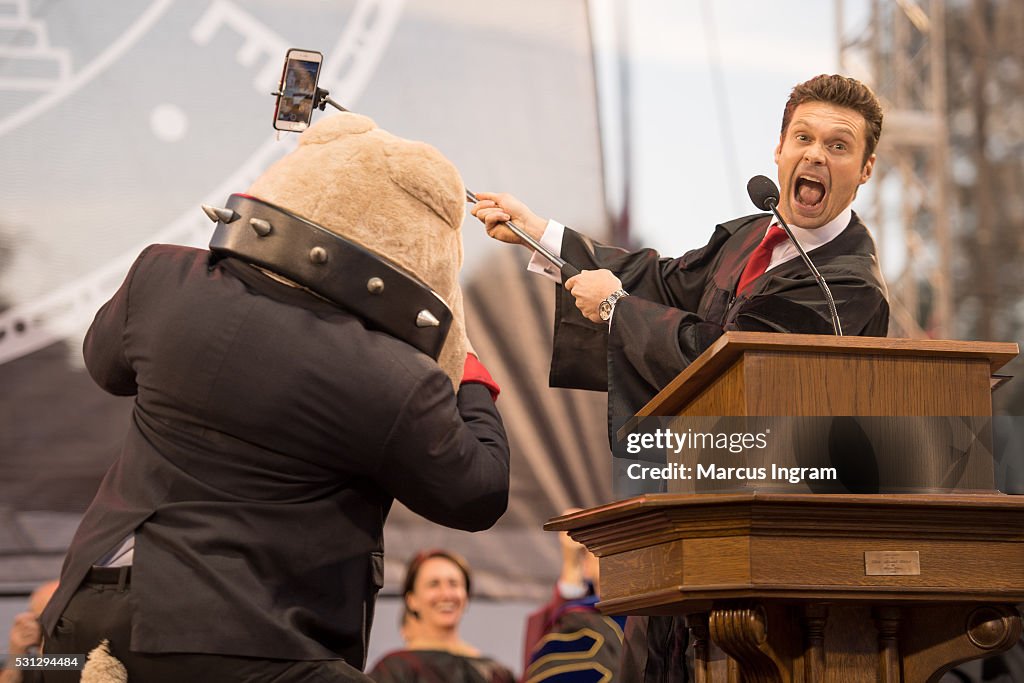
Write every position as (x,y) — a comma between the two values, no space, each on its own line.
(119,576)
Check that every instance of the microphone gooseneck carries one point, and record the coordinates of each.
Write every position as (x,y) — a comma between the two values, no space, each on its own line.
(765,194)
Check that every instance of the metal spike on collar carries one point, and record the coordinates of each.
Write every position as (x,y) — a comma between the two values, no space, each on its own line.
(260,226)
(216,213)
(427,319)
(318,255)
(375,285)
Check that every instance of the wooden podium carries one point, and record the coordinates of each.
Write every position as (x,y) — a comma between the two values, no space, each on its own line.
(780,584)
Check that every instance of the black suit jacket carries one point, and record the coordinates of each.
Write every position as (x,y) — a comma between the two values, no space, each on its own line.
(271,432)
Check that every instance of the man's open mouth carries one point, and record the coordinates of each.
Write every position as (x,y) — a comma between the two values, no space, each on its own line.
(809,191)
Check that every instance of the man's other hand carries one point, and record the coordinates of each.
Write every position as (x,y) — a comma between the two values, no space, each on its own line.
(590,288)
(493,209)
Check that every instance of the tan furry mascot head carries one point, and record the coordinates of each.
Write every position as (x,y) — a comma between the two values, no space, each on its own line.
(398,198)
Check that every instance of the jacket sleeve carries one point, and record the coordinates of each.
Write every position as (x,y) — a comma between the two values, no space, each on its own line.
(447,457)
(104,348)
(579,357)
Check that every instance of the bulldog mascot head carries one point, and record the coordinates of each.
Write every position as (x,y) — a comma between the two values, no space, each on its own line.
(399,199)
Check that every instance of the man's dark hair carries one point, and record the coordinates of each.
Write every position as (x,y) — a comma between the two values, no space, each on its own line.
(842,91)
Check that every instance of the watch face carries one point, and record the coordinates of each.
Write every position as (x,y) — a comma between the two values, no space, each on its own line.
(604,310)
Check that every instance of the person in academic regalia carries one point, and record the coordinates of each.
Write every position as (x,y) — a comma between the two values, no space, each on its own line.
(568,640)
(631,321)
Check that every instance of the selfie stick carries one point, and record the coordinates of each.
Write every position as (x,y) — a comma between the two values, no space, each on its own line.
(323,98)
(567,269)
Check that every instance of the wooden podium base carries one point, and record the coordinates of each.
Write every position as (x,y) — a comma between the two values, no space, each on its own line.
(757,641)
(802,588)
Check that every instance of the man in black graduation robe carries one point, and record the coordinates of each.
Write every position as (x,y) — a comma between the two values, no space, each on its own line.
(631,321)
(678,307)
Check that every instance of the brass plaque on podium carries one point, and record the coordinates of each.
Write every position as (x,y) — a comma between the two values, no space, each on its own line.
(892,563)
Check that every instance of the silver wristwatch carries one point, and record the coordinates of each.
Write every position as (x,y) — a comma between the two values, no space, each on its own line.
(606,307)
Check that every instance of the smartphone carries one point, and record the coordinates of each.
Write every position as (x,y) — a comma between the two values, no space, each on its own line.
(297,90)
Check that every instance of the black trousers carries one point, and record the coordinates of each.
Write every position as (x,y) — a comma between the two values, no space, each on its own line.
(104,610)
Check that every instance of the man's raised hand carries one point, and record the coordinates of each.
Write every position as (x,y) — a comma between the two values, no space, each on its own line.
(495,208)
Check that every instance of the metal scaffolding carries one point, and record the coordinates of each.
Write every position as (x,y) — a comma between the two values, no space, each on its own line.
(899,49)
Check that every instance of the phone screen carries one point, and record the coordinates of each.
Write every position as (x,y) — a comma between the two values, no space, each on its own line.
(298,90)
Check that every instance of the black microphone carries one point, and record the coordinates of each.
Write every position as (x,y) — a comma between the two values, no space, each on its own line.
(765,194)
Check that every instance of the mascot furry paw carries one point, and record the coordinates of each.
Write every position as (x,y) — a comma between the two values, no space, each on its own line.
(400,199)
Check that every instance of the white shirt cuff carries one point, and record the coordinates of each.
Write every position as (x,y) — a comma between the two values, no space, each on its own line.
(572,591)
(552,241)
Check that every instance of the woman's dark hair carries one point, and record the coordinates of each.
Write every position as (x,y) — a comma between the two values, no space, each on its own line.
(412,570)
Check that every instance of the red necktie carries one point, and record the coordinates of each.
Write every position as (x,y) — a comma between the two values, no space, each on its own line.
(761,257)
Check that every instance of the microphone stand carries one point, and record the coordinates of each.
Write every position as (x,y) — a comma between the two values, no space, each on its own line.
(772,203)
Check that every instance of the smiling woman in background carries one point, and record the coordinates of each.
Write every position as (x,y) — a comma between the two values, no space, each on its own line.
(436,593)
